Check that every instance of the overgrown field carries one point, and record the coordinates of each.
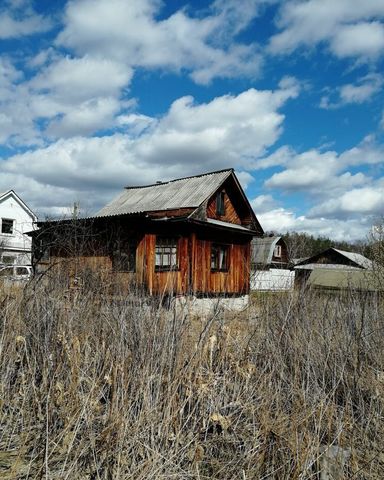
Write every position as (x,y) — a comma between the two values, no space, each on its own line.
(95,386)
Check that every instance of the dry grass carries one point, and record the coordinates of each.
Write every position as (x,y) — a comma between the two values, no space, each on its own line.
(94,388)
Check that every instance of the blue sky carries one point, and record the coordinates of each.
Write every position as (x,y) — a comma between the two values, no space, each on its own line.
(99,94)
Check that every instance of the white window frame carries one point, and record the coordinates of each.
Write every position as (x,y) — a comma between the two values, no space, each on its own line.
(166,254)
(277,251)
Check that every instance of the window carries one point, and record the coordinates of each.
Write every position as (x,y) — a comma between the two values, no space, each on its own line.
(8,259)
(220,258)
(124,258)
(277,251)
(7,226)
(220,205)
(22,271)
(166,254)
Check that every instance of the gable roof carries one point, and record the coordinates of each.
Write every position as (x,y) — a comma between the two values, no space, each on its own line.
(188,192)
(19,200)
(356,258)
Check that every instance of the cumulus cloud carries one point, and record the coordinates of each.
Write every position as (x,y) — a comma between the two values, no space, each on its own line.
(336,197)
(190,138)
(311,170)
(361,91)
(359,40)
(282,220)
(132,34)
(74,96)
(18,19)
(350,28)
(263,204)
(367,200)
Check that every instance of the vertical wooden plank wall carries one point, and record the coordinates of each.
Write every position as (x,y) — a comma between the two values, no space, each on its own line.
(236,280)
(230,214)
(169,281)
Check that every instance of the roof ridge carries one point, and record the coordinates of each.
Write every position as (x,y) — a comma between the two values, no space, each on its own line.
(178,179)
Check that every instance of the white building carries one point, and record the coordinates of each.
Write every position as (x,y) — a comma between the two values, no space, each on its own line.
(16,218)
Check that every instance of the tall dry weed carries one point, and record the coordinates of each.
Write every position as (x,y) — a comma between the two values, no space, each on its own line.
(95,386)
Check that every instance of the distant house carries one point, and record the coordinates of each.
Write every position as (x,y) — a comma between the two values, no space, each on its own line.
(336,269)
(16,218)
(189,235)
(269,264)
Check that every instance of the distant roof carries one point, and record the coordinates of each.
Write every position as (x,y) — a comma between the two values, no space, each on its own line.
(262,249)
(356,258)
(359,260)
(188,192)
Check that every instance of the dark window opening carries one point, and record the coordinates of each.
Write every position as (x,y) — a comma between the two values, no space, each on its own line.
(7,226)
(220,258)
(124,258)
(220,205)
(8,259)
(166,254)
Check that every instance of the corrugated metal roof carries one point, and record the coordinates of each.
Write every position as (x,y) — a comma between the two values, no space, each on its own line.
(360,260)
(187,192)
(262,249)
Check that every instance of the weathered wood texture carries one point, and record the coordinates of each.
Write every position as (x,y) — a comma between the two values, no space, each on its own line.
(230,213)
(193,275)
(175,281)
(234,281)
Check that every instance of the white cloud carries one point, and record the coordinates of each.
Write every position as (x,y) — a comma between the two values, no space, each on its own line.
(282,220)
(189,139)
(367,200)
(130,33)
(362,91)
(71,80)
(310,171)
(17,19)
(364,39)
(349,27)
(86,118)
(263,204)
(74,96)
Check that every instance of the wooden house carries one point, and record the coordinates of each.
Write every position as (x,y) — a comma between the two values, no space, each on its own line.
(270,264)
(189,235)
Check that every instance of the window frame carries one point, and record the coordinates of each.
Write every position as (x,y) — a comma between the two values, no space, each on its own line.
(12,228)
(166,247)
(223,264)
(220,204)
(277,251)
